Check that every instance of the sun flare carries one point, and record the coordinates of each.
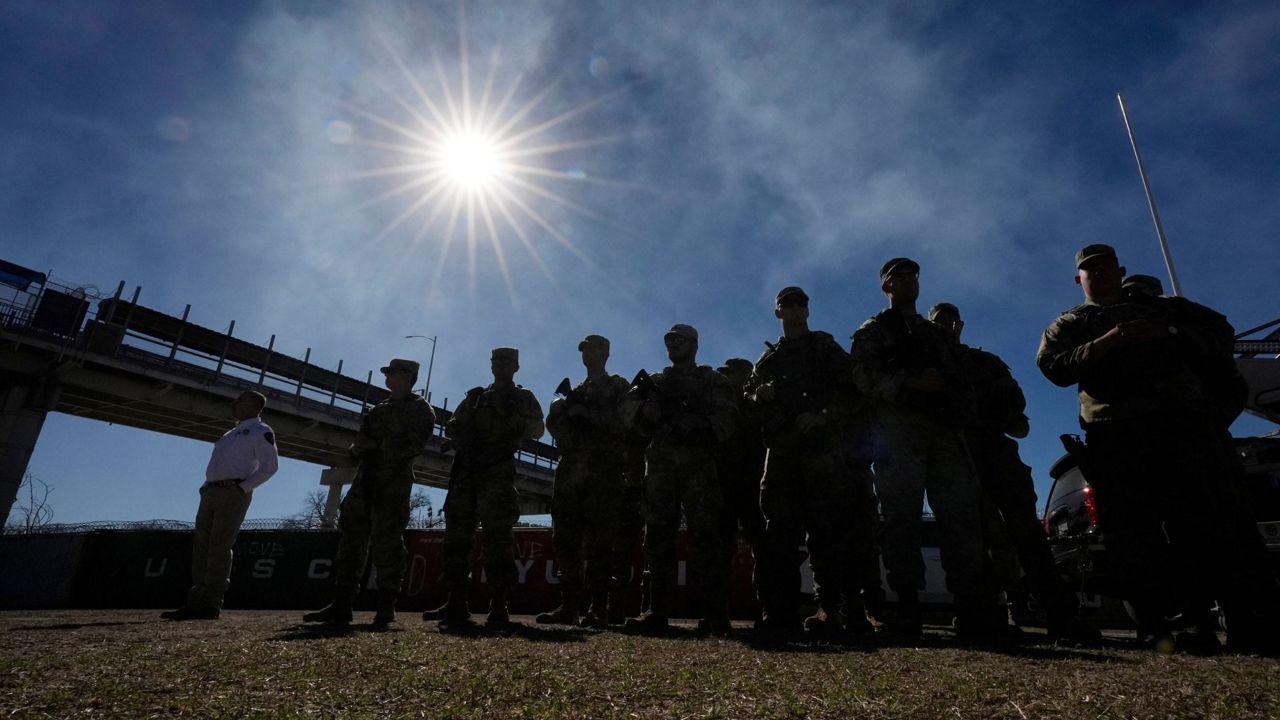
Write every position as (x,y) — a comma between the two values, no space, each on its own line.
(471,160)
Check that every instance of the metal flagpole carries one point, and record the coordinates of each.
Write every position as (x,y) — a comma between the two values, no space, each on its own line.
(1151,202)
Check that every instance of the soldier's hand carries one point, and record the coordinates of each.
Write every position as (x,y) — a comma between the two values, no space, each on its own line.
(1130,333)
(557,406)
(766,393)
(807,421)
(930,381)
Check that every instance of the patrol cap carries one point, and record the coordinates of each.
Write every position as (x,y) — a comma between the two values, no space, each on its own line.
(943,307)
(1097,250)
(599,341)
(791,291)
(401,365)
(687,332)
(506,353)
(735,365)
(1146,284)
(898,265)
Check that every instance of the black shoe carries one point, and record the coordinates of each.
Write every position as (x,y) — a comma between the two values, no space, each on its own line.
(186,613)
(332,614)
(823,624)
(382,620)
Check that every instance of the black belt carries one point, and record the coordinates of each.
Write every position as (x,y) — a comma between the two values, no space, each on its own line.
(233,482)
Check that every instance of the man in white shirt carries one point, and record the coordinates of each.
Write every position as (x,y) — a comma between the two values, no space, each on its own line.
(243,459)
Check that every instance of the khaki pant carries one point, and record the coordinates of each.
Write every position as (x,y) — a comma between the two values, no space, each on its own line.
(218,521)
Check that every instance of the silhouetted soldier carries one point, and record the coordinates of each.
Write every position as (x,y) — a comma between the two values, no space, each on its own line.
(486,430)
(905,364)
(686,410)
(800,393)
(590,432)
(243,458)
(376,509)
(739,467)
(1155,454)
(1007,484)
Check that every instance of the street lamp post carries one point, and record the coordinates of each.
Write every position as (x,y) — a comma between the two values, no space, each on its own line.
(426,390)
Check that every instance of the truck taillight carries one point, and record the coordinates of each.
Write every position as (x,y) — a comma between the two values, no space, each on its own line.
(1091,507)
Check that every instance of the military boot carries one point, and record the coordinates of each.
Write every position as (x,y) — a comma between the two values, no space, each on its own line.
(455,616)
(386,613)
(824,622)
(337,612)
(906,622)
(980,619)
(566,614)
(498,617)
(855,616)
(655,620)
(597,616)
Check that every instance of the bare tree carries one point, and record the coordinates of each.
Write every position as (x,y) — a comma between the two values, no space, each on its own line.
(312,515)
(33,510)
(421,512)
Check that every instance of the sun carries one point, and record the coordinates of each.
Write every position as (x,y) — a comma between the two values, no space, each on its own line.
(472,161)
(476,168)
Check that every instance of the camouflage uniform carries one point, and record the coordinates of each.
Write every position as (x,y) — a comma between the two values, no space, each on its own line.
(697,409)
(739,467)
(923,451)
(1008,487)
(587,499)
(1156,459)
(375,510)
(806,485)
(486,429)
(630,532)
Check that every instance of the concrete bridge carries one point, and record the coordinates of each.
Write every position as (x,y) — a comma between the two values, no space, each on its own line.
(135,366)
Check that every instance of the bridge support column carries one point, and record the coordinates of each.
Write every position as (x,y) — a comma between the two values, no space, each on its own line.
(24,404)
(335,478)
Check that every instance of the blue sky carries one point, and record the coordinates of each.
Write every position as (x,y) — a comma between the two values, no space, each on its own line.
(211,152)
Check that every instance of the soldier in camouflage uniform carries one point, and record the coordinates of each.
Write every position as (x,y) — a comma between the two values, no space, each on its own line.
(905,363)
(1008,487)
(739,466)
(585,506)
(800,393)
(375,511)
(1156,457)
(486,430)
(630,533)
(686,410)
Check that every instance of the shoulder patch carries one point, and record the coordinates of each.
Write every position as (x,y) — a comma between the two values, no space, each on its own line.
(270,437)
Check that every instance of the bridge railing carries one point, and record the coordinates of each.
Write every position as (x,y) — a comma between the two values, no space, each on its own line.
(55,313)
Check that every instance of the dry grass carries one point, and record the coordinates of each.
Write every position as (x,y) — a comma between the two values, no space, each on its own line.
(127,663)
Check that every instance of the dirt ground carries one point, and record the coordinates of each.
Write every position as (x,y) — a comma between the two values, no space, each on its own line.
(129,663)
